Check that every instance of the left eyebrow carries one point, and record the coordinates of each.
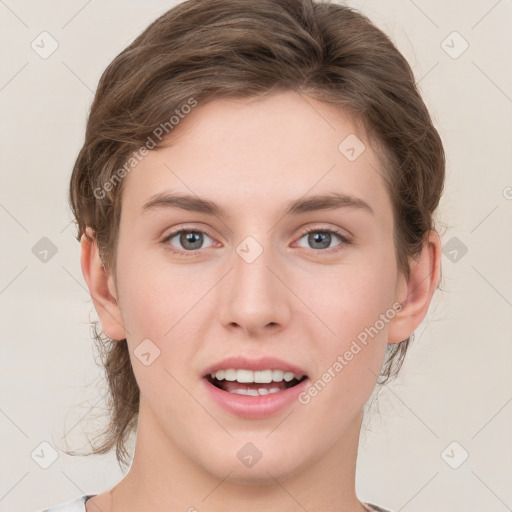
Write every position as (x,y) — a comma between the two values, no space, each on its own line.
(187,202)
(332,201)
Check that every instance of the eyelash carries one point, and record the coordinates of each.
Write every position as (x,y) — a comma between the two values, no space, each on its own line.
(343,239)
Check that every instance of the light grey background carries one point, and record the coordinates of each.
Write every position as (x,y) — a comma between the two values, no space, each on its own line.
(456,384)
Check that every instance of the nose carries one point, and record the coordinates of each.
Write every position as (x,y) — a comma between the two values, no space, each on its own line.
(253,296)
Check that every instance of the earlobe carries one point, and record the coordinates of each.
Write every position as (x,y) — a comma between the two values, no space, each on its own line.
(102,288)
(415,294)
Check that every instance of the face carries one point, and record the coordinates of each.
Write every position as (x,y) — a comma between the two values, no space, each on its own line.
(310,285)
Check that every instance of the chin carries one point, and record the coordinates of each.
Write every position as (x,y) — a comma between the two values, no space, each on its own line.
(250,466)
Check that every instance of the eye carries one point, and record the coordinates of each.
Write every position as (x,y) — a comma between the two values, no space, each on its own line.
(191,240)
(322,238)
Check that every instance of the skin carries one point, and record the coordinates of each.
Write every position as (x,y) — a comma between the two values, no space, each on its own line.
(294,302)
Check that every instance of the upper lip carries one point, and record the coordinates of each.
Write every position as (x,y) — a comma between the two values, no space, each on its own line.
(262,363)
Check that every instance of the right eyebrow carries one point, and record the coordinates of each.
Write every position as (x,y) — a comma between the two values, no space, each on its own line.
(183,202)
(332,201)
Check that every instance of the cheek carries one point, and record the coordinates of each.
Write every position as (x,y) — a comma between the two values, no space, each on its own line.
(149,304)
(165,305)
(354,304)
(152,310)
(350,298)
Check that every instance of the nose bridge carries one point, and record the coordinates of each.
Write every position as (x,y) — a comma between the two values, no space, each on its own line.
(253,296)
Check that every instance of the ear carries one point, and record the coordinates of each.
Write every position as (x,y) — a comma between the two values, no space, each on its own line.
(101,287)
(416,293)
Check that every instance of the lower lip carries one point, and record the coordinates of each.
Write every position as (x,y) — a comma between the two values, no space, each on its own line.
(254,407)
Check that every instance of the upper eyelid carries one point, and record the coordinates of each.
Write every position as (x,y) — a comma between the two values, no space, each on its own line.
(305,231)
(178,230)
(205,230)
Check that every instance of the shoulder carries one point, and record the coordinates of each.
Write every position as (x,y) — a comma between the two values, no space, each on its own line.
(73,505)
(376,508)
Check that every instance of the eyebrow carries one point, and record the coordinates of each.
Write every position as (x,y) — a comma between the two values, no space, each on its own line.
(332,201)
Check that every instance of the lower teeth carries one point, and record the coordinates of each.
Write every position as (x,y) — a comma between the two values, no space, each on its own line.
(259,391)
(254,392)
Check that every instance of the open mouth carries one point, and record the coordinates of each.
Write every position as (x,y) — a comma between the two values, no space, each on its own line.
(247,382)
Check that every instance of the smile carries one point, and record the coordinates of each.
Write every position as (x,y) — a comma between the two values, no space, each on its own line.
(254,383)
(254,388)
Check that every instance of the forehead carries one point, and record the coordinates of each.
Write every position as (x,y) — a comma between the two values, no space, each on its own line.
(269,149)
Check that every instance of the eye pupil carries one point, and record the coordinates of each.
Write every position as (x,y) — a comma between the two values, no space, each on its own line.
(193,237)
(313,238)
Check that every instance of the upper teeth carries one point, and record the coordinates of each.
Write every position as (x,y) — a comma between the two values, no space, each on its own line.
(259,376)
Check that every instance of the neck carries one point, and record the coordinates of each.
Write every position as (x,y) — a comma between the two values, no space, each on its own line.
(162,477)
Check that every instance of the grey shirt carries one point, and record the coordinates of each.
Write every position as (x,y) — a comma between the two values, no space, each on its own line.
(78,505)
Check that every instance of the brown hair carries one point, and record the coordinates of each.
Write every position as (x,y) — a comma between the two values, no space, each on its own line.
(207,49)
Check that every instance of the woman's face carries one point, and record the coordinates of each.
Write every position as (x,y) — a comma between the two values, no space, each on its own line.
(247,280)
